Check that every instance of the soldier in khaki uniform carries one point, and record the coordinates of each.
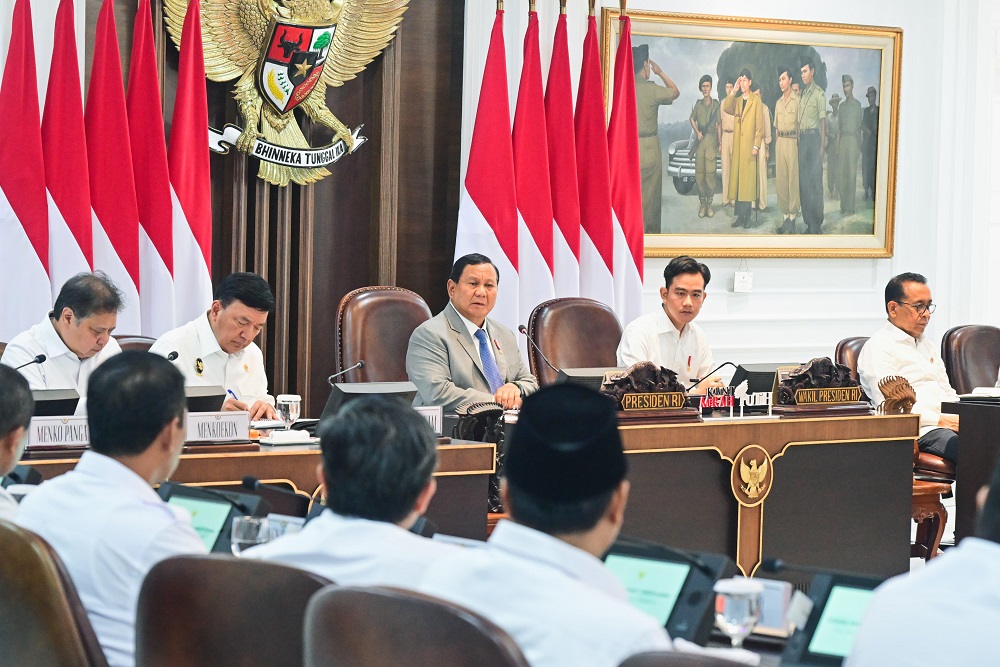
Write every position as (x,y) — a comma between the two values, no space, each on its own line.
(832,145)
(786,151)
(648,99)
(748,137)
(850,147)
(869,143)
(812,137)
(727,123)
(705,122)
(762,157)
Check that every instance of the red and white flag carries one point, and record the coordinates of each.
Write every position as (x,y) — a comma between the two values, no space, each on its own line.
(25,291)
(626,182)
(531,177)
(112,187)
(71,223)
(152,183)
(190,176)
(487,211)
(562,167)
(594,178)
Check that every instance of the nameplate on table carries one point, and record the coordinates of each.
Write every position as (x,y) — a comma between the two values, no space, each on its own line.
(672,400)
(828,396)
(218,427)
(58,432)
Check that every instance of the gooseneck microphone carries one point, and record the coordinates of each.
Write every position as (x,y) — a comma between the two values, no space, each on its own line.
(172,356)
(524,330)
(710,373)
(254,484)
(360,364)
(775,565)
(37,360)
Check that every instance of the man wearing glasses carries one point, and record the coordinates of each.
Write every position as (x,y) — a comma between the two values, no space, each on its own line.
(901,348)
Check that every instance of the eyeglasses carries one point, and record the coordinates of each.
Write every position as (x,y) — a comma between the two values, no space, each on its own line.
(921,308)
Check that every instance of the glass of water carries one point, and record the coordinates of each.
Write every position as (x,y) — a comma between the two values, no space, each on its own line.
(289,407)
(249,531)
(737,607)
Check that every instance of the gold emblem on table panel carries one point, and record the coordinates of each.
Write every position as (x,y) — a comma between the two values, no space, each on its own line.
(752,475)
(284,54)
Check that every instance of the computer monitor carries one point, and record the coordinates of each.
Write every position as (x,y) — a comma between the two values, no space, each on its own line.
(588,377)
(205,398)
(55,402)
(673,586)
(212,511)
(839,604)
(342,392)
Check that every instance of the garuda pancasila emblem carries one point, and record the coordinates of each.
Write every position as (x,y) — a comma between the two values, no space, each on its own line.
(753,477)
(285,54)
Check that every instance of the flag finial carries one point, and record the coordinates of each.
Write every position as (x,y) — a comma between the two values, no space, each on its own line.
(593,4)
(499,5)
(562,6)
(531,5)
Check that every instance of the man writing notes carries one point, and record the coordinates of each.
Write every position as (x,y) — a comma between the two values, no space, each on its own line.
(217,348)
(669,337)
(901,348)
(460,355)
(74,339)
(378,464)
(103,517)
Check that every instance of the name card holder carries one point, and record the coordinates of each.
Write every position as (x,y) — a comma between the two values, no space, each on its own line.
(58,432)
(218,427)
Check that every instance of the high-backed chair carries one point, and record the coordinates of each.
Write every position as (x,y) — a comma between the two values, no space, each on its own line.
(374,325)
(218,610)
(674,659)
(136,343)
(971,354)
(42,621)
(385,627)
(573,332)
(848,351)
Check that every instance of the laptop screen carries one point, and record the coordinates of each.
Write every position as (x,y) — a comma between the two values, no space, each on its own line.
(653,586)
(840,620)
(208,517)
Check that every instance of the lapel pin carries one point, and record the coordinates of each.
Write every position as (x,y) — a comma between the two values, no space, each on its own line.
(199,366)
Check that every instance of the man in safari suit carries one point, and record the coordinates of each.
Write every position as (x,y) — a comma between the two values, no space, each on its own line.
(460,355)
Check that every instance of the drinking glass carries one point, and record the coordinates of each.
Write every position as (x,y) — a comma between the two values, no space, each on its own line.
(289,407)
(249,531)
(737,607)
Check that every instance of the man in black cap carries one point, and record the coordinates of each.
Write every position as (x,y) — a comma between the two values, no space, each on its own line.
(648,99)
(812,138)
(539,577)
(705,123)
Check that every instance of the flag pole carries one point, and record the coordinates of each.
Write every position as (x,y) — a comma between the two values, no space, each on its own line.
(621,5)
(593,11)
(499,5)
(562,6)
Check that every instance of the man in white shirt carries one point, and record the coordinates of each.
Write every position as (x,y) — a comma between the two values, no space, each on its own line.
(73,340)
(16,406)
(956,598)
(460,355)
(901,348)
(103,518)
(540,576)
(217,348)
(379,457)
(669,337)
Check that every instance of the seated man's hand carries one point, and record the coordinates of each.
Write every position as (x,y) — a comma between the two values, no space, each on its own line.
(509,396)
(714,381)
(232,405)
(262,410)
(949,421)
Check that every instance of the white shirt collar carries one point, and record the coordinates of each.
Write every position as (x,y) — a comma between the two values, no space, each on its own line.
(208,344)
(116,474)
(665,326)
(469,323)
(54,345)
(900,335)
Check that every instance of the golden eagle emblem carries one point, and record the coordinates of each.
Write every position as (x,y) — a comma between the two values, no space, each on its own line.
(284,55)
(753,477)
(897,394)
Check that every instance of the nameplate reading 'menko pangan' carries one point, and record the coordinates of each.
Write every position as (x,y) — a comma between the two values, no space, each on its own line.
(218,427)
(828,396)
(673,400)
(58,432)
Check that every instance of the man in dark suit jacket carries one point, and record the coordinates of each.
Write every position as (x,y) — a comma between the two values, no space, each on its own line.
(445,355)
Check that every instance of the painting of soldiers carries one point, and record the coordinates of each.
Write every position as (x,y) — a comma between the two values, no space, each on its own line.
(748,134)
(786,151)
(762,157)
(705,123)
(812,137)
(869,144)
(832,135)
(727,122)
(649,97)
(850,147)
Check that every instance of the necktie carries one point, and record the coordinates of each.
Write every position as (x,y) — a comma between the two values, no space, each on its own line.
(489,363)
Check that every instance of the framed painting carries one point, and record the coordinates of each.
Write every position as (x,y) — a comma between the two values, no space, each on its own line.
(762,137)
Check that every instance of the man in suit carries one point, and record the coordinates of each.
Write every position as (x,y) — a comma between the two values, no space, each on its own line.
(461,355)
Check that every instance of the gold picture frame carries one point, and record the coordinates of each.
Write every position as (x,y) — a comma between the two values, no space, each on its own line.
(692,45)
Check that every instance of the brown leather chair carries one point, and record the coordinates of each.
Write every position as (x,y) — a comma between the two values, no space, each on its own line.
(135,343)
(42,621)
(374,324)
(573,332)
(674,659)
(218,610)
(971,354)
(3,346)
(385,627)
(927,466)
